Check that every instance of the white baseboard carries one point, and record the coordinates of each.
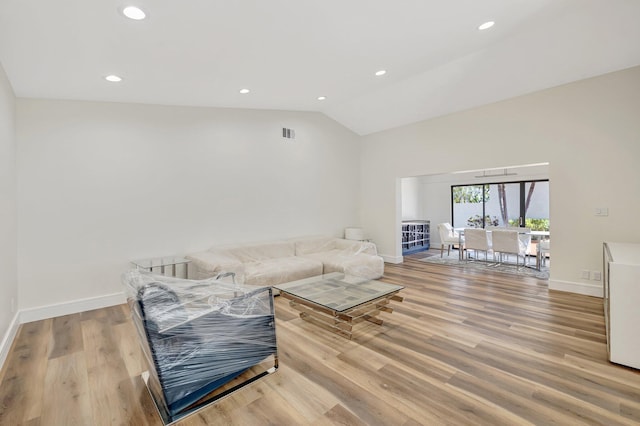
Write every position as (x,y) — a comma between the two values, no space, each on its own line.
(391,259)
(72,307)
(8,338)
(580,288)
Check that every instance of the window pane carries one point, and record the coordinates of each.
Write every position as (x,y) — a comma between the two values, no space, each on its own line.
(467,206)
(503,204)
(537,205)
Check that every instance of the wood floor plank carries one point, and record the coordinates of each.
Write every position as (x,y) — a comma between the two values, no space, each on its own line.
(367,406)
(445,405)
(411,358)
(67,399)
(378,379)
(338,415)
(22,389)
(510,393)
(111,387)
(630,411)
(597,390)
(463,348)
(582,414)
(295,388)
(272,408)
(623,375)
(66,336)
(117,314)
(128,344)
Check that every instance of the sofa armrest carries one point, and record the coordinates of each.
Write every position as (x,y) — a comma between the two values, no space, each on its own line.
(208,264)
(356,247)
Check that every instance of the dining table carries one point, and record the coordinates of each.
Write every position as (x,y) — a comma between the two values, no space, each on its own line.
(537,234)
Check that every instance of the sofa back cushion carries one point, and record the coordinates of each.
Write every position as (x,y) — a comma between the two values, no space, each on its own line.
(246,253)
(314,245)
(356,247)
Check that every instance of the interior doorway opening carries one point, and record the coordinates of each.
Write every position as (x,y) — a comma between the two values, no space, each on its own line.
(429,198)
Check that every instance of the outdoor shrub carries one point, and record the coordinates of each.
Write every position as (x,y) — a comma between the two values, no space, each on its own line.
(533,224)
(476,221)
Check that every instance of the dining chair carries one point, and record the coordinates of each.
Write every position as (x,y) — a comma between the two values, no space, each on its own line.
(448,237)
(511,241)
(525,242)
(477,239)
(544,249)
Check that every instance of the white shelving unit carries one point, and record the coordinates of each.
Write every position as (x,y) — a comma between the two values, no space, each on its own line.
(415,236)
(621,264)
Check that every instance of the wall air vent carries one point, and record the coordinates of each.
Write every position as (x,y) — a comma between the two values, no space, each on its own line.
(288,133)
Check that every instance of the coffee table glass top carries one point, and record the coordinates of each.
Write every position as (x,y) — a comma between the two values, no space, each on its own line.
(337,291)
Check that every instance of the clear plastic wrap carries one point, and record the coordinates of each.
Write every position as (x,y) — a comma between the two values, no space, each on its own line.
(277,262)
(354,258)
(201,339)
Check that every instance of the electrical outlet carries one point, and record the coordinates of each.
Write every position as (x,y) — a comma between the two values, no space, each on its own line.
(586,274)
(597,275)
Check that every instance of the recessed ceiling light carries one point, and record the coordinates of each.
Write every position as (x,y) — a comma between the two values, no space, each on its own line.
(134,13)
(113,78)
(486,25)
(381,72)
(244,91)
(322,98)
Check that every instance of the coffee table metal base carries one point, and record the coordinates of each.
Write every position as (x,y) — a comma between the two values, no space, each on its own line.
(342,322)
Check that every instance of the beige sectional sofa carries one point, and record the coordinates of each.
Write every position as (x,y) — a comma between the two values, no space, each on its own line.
(276,262)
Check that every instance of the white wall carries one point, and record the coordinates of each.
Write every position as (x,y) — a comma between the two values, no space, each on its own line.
(412,198)
(588,131)
(8,218)
(103,183)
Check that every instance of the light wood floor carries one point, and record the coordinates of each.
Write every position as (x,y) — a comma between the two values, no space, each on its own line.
(461,349)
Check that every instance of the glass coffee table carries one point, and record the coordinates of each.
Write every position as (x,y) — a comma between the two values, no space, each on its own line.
(337,302)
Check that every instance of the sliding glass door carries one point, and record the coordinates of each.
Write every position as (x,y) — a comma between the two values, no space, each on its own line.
(468,202)
(524,203)
(536,206)
(502,207)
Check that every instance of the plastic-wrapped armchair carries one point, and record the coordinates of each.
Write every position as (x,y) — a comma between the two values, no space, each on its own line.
(202,340)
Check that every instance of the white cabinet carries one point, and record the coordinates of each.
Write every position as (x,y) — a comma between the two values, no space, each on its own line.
(622,302)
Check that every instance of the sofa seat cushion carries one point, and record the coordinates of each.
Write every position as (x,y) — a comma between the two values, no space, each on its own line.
(277,271)
(358,264)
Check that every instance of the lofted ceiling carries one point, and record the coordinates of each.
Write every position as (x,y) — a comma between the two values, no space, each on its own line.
(290,52)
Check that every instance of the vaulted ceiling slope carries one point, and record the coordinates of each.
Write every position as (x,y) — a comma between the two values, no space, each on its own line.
(289,52)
